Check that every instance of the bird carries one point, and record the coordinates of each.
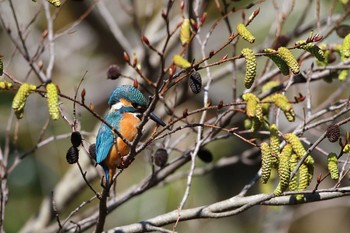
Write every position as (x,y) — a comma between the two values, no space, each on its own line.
(126,106)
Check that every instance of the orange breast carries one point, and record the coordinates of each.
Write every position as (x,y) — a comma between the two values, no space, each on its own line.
(128,129)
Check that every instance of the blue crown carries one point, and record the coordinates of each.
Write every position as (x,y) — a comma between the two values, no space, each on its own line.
(129,93)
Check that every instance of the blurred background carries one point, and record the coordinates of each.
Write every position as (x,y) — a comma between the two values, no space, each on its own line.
(90,47)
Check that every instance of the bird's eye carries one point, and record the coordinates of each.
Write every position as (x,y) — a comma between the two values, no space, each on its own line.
(138,107)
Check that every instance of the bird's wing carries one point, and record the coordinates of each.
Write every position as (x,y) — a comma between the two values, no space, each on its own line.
(105,137)
(104,143)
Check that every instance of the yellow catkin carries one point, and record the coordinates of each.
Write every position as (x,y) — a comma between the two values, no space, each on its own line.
(283,170)
(346,148)
(52,101)
(252,102)
(269,187)
(309,161)
(346,46)
(259,112)
(274,140)
(5,85)
(279,62)
(181,62)
(278,190)
(269,85)
(56,3)
(20,98)
(250,67)
(327,53)
(266,162)
(298,148)
(185,31)
(245,33)
(316,51)
(332,162)
(255,124)
(288,57)
(282,102)
(290,116)
(293,183)
(343,74)
(303,180)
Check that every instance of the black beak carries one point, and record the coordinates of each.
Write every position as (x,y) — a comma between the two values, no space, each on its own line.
(157,119)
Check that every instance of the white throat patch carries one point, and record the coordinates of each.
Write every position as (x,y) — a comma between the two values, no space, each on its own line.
(115,107)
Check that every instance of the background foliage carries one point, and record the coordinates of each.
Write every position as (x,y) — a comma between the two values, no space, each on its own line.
(89,36)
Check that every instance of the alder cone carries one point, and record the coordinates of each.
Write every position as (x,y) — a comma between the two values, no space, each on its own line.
(161,157)
(333,133)
(75,138)
(72,155)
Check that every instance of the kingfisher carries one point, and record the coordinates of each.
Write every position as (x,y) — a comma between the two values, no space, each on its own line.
(126,107)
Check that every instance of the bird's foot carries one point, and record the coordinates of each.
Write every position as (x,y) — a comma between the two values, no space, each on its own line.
(125,163)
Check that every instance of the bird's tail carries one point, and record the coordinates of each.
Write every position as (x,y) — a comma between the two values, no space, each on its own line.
(107,177)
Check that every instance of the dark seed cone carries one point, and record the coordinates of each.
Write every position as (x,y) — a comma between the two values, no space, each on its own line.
(161,157)
(72,155)
(195,82)
(92,151)
(333,133)
(75,138)
(113,72)
(205,155)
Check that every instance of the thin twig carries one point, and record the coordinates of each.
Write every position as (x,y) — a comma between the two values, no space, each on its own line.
(50,40)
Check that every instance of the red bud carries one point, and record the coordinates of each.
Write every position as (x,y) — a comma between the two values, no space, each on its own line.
(126,57)
(232,35)
(145,39)
(319,178)
(256,12)
(243,15)
(308,40)
(194,25)
(185,113)
(209,102)
(224,57)
(172,70)
(40,64)
(91,106)
(44,34)
(136,84)
(182,5)
(317,38)
(164,15)
(211,53)
(203,17)
(300,98)
(82,94)
(134,61)
(221,104)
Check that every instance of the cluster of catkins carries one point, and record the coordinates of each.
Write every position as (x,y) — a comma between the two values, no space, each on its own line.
(285,60)
(20,99)
(285,160)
